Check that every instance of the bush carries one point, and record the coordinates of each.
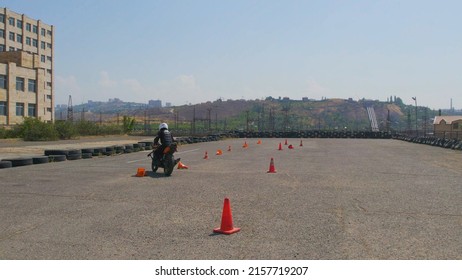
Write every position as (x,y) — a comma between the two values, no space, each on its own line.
(66,129)
(33,129)
(85,128)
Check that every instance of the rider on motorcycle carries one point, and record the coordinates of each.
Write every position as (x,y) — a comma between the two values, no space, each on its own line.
(166,138)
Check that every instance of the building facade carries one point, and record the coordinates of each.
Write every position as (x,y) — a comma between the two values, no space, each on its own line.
(449,127)
(26,68)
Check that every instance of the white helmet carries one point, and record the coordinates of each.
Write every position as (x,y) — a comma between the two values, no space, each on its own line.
(163,125)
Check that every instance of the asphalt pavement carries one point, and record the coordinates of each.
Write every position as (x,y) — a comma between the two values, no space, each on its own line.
(329,199)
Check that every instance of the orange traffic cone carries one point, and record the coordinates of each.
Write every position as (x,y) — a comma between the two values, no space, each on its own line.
(245,145)
(301,143)
(219,152)
(140,172)
(206,156)
(285,142)
(229,148)
(226,220)
(280,147)
(182,166)
(259,142)
(271,167)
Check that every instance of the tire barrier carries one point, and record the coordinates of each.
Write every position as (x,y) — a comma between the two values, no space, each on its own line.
(19,161)
(87,155)
(57,158)
(40,159)
(5,164)
(59,155)
(316,134)
(454,144)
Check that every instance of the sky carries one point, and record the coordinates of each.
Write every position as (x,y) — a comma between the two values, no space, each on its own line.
(196,51)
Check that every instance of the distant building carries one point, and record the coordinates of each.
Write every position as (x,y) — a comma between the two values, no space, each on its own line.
(26,68)
(448,127)
(168,104)
(155,103)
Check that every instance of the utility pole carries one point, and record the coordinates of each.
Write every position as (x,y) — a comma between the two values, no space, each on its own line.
(82,114)
(247,120)
(70,110)
(416,131)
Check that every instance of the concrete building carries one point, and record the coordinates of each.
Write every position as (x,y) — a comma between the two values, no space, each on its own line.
(26,68)
(448,127)
(155,103)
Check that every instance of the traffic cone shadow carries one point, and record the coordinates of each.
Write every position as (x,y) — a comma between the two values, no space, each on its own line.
(226,220)
(229,148)
(206,156)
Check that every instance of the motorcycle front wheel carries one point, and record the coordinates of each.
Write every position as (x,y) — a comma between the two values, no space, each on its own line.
(154,166)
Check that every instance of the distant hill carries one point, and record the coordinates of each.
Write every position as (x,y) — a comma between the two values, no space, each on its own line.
(269,114)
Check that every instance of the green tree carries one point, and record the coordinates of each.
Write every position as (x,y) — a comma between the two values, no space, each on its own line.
(128,124)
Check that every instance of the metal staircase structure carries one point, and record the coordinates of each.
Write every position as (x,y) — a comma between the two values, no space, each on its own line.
(372,119)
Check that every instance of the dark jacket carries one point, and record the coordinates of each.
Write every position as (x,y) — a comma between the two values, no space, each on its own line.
(165,137)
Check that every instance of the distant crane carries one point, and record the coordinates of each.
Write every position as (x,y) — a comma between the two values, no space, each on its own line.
(70,110)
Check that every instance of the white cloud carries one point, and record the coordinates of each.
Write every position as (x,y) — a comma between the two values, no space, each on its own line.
(105,81)
(66,86)
(180,90)
(315,89)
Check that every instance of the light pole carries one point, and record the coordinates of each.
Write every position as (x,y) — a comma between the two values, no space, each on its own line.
(416,131)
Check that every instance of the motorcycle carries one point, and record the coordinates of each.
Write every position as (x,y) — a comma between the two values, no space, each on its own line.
(167,162)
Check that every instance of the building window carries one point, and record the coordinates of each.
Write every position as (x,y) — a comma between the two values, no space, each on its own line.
(42,44)
(19,23)
(32,85)
(3,81)
(34,43)
(455,126)
(19,109)
(28,27)
(49,45)
(35,29)
(42,31)
(49,71)
(2,108)
(31,109)
(2,48)
(28,41)
(49,32)
(2,33)
(2,18)
(12,36)
(19,38)
(42,58)
(49,86)
(49,58)
(11,49)
(11,21)
(49,110)
(49,96)
(19,84)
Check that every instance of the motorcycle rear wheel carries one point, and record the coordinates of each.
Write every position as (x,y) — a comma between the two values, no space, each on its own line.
(168,165)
